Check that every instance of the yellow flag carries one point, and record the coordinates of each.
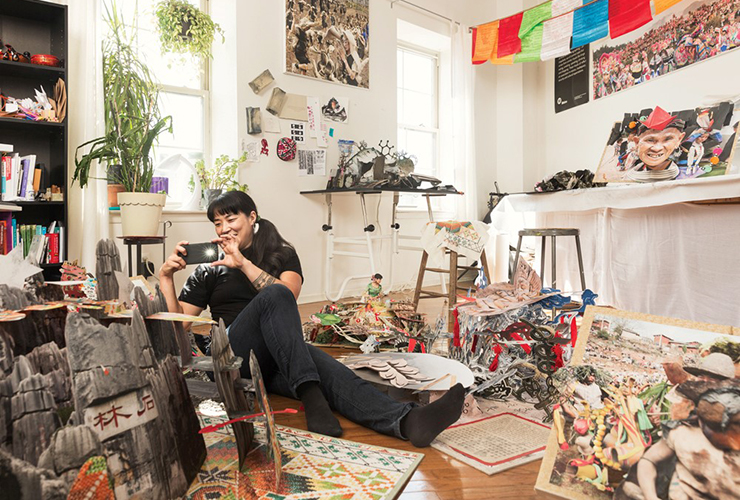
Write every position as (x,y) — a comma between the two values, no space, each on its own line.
(661,5)
(484,42)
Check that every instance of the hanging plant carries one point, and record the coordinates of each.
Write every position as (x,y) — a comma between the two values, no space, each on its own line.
(185,29)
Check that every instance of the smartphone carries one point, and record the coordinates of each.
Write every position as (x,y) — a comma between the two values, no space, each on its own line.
(200,253)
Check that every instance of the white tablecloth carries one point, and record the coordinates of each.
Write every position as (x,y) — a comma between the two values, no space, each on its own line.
(644,249)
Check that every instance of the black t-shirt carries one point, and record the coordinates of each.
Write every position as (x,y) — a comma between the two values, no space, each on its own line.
(227,291)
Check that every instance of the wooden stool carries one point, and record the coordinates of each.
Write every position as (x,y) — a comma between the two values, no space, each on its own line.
(553,233)
(452,288)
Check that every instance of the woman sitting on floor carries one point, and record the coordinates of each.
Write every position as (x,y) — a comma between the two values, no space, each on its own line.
(253,287)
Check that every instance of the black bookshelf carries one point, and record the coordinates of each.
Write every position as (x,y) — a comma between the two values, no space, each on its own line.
(37,27)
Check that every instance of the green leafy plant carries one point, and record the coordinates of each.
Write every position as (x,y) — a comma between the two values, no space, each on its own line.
(132,116)
(222,175)
(183,28)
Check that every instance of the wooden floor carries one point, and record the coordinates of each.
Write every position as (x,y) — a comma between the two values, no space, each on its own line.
(439,476)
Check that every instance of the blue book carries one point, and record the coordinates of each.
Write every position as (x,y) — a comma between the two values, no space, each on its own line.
(15,233)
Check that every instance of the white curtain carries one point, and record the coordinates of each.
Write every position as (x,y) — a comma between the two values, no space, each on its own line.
(88,208)
(463,123)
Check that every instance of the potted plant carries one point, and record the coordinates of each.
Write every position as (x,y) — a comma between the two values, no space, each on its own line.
(183,28)
(132,124)
(220,177)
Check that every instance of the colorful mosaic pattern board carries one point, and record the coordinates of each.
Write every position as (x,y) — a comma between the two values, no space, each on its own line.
(496,443)
(313,467)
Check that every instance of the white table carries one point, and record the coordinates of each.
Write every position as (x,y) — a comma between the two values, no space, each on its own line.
(646,248)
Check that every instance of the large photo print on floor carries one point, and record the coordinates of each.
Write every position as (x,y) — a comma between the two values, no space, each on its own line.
(328,40)
(687,33)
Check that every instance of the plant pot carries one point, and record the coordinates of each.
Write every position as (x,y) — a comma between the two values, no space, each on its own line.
(113,190)
(211,194)
(140,213)
(184,29)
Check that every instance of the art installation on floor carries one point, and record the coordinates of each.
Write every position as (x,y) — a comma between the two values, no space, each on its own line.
(649,408)
(313,466)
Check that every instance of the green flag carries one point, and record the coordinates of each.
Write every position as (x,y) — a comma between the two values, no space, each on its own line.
(531,46)
(533,17)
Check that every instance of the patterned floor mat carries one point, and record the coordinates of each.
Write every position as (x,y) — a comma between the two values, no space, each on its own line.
(314,467)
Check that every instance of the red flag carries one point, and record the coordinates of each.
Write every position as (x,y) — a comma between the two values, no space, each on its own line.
(628,15)
(508,35)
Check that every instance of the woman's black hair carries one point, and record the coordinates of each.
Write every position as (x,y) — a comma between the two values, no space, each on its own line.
(269,250)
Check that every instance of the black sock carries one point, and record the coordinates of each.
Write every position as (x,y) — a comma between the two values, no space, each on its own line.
(319,417)
(422,424)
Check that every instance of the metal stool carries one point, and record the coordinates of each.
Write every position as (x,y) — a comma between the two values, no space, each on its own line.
(553,233)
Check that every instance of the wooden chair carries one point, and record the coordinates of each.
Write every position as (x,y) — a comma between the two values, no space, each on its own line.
(452,287)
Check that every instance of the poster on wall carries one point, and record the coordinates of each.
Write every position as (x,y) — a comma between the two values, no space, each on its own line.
(687,33)
(328,40)
(656,145)
(571,79)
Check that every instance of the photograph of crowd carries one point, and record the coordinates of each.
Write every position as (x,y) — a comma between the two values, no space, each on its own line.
(683,35)
(650,409)
(328,40)
(655,145)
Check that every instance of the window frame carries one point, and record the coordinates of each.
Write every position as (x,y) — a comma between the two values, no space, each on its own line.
(203,92)
(402,45)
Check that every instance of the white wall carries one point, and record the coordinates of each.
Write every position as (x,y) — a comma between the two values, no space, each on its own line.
(255,42)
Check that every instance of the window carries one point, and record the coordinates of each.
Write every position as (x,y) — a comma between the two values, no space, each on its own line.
(184,96)
(418,113)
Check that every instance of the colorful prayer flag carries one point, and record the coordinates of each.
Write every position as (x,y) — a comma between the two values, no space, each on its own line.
(628,15)
(556,35)
(531,46)
(560,7)
(508,35)
(590,23)
(661,5)
(533,17)
(494,57)
(484,42)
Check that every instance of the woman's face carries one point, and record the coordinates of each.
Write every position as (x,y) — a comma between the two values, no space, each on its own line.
(238,225)
(656,146)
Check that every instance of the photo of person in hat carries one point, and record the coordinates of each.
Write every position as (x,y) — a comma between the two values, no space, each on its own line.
(659,138)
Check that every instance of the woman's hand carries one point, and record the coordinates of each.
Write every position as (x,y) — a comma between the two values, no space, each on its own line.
(233,257)
(174,262)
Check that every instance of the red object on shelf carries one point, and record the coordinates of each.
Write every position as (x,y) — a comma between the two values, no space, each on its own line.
(45,60)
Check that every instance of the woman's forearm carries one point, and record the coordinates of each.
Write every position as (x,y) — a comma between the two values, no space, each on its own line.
(167,287)
(259,278)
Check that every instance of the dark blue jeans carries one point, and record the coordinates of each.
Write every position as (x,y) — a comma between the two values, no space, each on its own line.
(271,327)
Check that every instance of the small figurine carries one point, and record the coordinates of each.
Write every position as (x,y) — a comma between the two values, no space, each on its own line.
(374,288)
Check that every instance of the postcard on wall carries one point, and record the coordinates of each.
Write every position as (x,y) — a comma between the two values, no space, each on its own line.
(314,115)
(646,411)
(311,162)
(657,145)
(263,81)
(277,101)
(298,131)
(294,108)
(341,52)
(336,109)
(270,123)
(254,121)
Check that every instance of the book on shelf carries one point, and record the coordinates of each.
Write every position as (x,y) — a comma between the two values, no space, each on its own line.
(21,178)
(50,246)
(6,148)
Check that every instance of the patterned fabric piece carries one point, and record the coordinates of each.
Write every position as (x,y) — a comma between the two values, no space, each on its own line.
(286,149)
(314,467)
(466,238)
(92,482)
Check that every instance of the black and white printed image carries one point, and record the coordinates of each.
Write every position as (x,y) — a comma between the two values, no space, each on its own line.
(328,40)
